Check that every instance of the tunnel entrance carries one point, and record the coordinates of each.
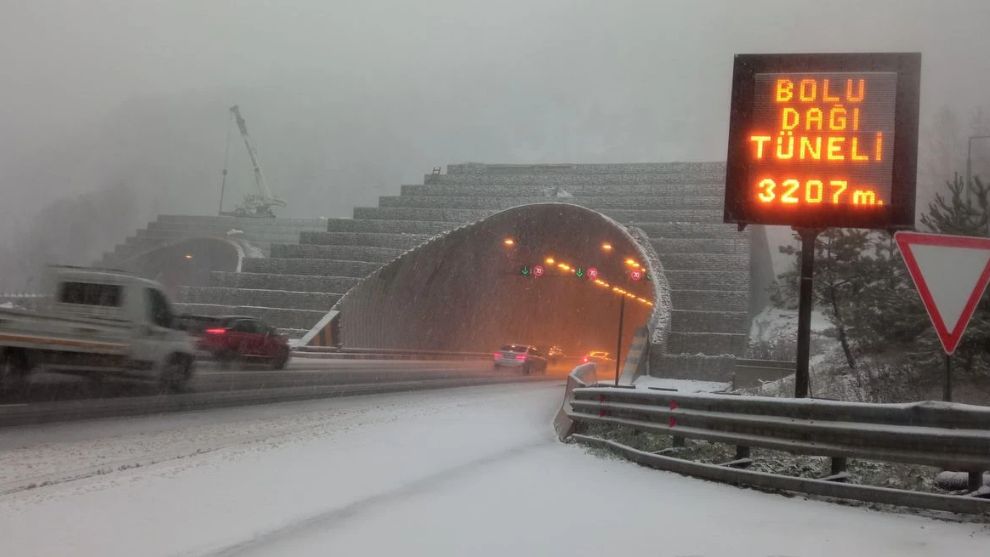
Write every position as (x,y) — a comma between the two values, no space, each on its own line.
(186,263)
(544,274)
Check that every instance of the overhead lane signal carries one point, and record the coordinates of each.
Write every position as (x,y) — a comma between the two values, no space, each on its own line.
(534,271)
(636,271)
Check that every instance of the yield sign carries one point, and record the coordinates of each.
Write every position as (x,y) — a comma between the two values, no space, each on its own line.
(951,273)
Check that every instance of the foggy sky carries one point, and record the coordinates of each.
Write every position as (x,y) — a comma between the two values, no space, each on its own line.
(349,99)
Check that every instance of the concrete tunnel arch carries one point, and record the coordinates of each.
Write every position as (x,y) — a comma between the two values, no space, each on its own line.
(462,291)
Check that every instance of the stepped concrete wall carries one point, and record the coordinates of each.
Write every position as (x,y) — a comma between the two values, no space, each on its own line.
(718,276)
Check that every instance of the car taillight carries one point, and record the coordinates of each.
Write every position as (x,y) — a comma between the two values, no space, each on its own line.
(584,360)
(521,357)
(497,355)
(215,331)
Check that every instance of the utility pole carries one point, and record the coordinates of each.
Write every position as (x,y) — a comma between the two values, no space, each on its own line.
(618,342)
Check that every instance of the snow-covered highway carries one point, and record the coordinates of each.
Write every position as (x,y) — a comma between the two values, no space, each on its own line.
(469,471)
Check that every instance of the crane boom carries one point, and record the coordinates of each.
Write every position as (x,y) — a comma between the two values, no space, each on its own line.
(259,177)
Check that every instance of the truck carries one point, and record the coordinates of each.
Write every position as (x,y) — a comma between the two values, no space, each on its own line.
(98,323)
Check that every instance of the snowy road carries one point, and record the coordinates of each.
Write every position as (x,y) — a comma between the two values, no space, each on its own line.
(48,387)
(472,471)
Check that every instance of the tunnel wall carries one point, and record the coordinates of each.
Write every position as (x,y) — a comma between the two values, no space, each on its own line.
(762,277)
(462,291)
(187,262)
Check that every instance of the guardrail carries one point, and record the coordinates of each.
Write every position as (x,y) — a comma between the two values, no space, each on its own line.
(948,435)
(330,352)
(87,409)
(583,376)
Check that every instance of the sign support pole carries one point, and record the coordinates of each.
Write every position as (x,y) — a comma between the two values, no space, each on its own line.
(947,388)
(618,342)
(805,302)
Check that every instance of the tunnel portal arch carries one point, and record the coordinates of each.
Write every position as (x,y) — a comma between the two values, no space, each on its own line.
(187,262)
(463,290)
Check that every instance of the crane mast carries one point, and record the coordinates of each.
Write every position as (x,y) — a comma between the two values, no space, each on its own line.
(259,177)
(254,205)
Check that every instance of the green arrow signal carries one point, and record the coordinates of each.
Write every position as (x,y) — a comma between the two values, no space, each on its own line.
(524,271)
(579,272)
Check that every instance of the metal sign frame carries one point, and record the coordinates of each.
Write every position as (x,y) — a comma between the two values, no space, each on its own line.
(740,206)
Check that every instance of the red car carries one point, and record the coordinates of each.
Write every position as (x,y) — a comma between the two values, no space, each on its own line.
(244,338)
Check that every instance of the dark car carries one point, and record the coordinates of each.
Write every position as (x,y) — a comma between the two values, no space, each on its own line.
(523,356)
(555,353)
(244,338)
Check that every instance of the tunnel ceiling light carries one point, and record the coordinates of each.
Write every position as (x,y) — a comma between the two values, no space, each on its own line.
(606,246)
(188,256)
(596,279)
(509,242)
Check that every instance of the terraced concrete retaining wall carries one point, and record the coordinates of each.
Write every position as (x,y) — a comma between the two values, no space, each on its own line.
(718,276)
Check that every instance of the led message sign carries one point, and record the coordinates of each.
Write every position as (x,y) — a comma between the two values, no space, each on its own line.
(823,140)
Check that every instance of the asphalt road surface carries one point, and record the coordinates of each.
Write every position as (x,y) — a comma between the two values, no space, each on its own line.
(52,387)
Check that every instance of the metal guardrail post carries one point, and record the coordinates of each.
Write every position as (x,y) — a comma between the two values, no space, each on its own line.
(837,471)
(838,465)
(975,479)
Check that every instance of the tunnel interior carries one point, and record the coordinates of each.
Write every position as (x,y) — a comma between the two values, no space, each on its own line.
(545,274)
(185,263)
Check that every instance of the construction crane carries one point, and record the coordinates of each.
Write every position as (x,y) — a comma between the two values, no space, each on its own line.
(259,204)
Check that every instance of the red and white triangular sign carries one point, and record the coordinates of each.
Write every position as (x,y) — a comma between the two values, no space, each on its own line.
(951,273)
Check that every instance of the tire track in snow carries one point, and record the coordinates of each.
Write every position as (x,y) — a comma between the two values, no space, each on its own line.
(333,518)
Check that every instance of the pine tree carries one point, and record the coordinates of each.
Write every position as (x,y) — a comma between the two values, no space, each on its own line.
(887,315)
(862,286)
(840,277)
(964,213)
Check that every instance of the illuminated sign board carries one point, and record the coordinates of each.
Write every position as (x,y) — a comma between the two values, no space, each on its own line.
(821,140)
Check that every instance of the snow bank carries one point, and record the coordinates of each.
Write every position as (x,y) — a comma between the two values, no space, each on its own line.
(473,471)
(682,385)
